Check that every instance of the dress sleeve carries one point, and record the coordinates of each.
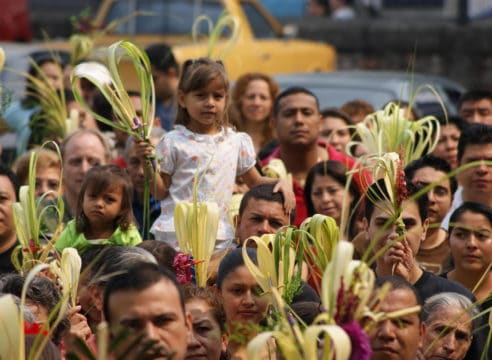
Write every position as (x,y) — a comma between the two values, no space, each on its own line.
(247,155)
(166,154)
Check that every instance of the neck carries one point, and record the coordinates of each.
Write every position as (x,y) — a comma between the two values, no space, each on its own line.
(253,127)
(7,243)
(71,201)
(434,238)
(477,196)
(470,280)
(255,130)
(98,232)
(299,160)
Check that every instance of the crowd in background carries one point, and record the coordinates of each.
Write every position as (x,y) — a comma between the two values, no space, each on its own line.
(227,134)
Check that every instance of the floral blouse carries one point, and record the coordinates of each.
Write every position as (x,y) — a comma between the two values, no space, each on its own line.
(216,160)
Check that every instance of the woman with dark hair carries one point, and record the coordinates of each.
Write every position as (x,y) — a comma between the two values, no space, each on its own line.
(208,338)
(242,298)
(470,241)
(325,193)
(252,99)
(336,129)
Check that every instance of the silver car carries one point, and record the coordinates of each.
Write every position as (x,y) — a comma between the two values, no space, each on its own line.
(378,88)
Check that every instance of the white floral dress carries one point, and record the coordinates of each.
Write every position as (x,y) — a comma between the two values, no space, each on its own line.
(216,159)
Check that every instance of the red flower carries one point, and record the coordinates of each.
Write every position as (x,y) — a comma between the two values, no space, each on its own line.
(34,329)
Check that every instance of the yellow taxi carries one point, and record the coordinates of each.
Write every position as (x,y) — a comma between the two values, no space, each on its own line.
(260,44)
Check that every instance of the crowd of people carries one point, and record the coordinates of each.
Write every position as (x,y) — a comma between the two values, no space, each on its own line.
(217,137)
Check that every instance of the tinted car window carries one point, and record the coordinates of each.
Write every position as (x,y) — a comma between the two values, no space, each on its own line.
(259,25)
(173,17)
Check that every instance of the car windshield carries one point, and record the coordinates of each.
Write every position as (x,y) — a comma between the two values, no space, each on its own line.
(337,96)
(170,17)
(259,25)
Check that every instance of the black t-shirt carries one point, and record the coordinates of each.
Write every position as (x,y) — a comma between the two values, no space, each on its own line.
(430,284)
(6,265)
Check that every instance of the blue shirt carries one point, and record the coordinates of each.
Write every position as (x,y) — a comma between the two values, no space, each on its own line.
(154,209)
(167,114)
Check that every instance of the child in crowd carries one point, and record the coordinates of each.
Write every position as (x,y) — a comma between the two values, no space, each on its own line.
(104,212)
(203,145)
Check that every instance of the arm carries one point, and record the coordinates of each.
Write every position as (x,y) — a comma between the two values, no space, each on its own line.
(253,178)
(159,182)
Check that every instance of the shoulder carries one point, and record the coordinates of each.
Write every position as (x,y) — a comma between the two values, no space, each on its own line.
(129,237)
(69,237)
(430,284)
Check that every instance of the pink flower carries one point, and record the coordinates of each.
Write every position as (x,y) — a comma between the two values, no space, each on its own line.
(361,345)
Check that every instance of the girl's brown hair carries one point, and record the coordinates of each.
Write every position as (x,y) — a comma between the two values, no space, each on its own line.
(237,94)
(99,179)
(197,74)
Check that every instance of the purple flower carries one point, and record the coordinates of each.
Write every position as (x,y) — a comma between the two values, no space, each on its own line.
(361,345)
(136,124)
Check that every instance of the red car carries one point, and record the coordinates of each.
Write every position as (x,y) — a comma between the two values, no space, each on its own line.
(14,21)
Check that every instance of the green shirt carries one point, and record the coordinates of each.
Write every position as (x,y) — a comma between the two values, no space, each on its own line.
(71,238)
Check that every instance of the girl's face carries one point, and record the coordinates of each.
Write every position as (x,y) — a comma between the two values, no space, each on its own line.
(206,340)
(205,107)
(470,242)
(256,103)
(327,196)
(242,298)
(335,132)
(102,208)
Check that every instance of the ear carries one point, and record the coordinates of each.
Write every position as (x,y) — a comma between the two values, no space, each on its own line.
(96,295)
(216,290)
(172,72)
(237,221)
(425,226)
(181,99)
(188,322)
(365,224)
(421,334)
(157,122)
(224,342)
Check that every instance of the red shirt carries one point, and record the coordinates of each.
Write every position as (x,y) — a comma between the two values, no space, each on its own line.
(301,210)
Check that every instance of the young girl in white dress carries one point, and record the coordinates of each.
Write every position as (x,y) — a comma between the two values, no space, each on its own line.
(202,144)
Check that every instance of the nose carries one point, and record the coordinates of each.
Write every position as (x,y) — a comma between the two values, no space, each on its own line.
(449,343)
(150,330)
(451,145)
(256,100)
(481,168)
(474,117)
(248,299)
(326,197)
(264,227)
(471,241)
(209,101)
(85,166)
(431,196)
(299,117)
(193,342)
(386,330)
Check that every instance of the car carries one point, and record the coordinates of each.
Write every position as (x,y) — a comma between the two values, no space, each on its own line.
(261,44)
(378,88)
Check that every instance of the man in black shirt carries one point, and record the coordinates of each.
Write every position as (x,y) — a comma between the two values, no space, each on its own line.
(398,256)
